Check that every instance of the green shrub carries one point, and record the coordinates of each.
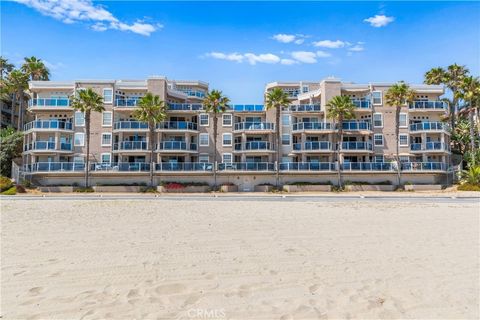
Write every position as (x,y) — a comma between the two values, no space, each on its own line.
(27,184)
(468,187)
(10,192)
(471,176)
(148,190)
(84,189)
(5,183)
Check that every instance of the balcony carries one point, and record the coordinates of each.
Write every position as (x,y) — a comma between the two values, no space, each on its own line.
(185,106)
(192,93)
(55,167)
(362,104)
(177,126)
(246,166)
(48,125)
(254,127)
(176,146)
(130,126)
(254,146)
(307,166)
(313,146)
(424,166)
(356,126)
(49,103)
(428,106)
(304,108)
(357,146)
(126,103)
(48,146)
(368,166)
(120,167)
(141,146)
(429,126)
(312,126)
(185,166)
(430,147)
(247,107)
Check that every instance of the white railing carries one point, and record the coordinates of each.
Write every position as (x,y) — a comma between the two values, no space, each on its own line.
(308,166)
(48,125)
(254,126)
(246,166)
(429,105)
(49,102)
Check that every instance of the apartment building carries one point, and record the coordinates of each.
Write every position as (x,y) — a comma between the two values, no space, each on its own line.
(54,149)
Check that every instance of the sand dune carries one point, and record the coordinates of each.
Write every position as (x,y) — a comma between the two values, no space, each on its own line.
(239,260)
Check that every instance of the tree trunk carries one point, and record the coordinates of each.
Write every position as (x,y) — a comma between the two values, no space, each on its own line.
(453,109)
(397,147)
(14,107)
(20,111)
(215,157)
(87,140)
(277,144)
(151,128)
(340,153)
(472,129)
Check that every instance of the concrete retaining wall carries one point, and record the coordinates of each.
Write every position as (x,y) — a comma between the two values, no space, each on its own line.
(188,189)
(55,189)
(307,188)
(423,187)
(263,188)
(117,188)
(367,187)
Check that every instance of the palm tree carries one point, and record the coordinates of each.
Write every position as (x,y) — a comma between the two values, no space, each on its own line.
(470,92)
(340,108)
(150,109)
(16,84)
(86,102)
(277,99)
(5,67)
(215,102)
(452,78)
(36,69)
(397,95)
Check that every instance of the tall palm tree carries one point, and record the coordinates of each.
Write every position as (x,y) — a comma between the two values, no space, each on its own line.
(16,84)
(86,102)
(397,95)
(215,102)
(339,109)
(277,99)
(150,109)
(5,67)
(36,69)
(452,78)
(470,92)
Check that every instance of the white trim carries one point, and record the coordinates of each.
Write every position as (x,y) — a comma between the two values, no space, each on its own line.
(408,139)
(103,95)
(204,155)
(231,157)
(223,120)
(373,120)
(223,139)
(103,118)
(406,120)
(378,155)
(104,153)
(200,139)
(101,139)
(383,140)
(200,119)
(75,119)
(83,140)
(289,139)
(373,98)
(289,119)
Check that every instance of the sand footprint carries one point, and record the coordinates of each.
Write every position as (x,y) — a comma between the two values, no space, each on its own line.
(169,289)
(35,291)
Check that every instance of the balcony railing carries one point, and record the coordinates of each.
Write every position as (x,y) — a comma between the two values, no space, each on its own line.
(430,146)
(429,105)
(130,145)
(254,126)
(357,146)
(247,107)
(356,125)
(176,145)
(47,102)
(184,166)
(429,126)
(177,125)
(130,125)
(307,166)
(304,107)
(40,145)
(126,102)
(184,106)
(254,145)
(299,126)
(313,145)
(192,93)
(246,166)
(55,166)
(362,104)
(368,166)
(48,125)
(424,166)
(120,166)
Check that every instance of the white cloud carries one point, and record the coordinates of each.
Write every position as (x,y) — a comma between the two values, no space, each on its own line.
(323,54)
(73,11)
(299,41)
(356,48)
(222,56)
(251,58)
(304,56)
(262,58)
(378,21)
(52,66)
(290,38)
(288,62)
(330,44)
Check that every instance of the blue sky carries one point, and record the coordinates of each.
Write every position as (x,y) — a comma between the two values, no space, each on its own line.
(238,47)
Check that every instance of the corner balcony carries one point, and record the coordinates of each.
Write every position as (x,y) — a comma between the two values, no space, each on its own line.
(356,126)
(362,104)
(246,166)
(176,147)
(307,166)
(312,127)
(180,126)
(357,147)
(184,167)
(419,167)
(430,105)
(247,108)
(312,147)
(429,147)
(48,125)
(368,166)
(185,106)
(429,126)
(48,147)
(126,103)
(38,104)
(254,127)
(130,126)
(130,146)
(254,147)
(304,108)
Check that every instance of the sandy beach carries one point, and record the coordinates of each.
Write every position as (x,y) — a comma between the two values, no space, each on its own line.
(165,259)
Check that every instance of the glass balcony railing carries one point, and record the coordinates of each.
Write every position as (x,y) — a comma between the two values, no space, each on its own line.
(304,107)
(125,102)
(177,145)
(313,145)
(40,145)
(360,145)
(424,166)
(48,125)
(430,146)
(184,166)
(368,166)
(55,166)
(429,105)
(429,126)
(177,125)
(130,125)
(246,166)
(300,126)
(254,126)
(192,93)
(48,102)
(120,166)
(307,166)
(65,146)
(247,107)
(130,145)
(356,125)
(184,106)
(254,146)
(362,104)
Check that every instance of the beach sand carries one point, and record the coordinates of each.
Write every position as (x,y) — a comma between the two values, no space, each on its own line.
(164,259)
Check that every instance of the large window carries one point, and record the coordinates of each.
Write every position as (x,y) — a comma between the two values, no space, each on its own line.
(403,140)
(107,119)
(106,157)
(79,139)
(204,119)
(377,120)
(227,139)
(285,139)
(204,158)
(379,158)
(378,139)
(285,119)
(79,119)
(107,95)
(227,120)
(403,120)
(227,157)
(377,97)
(106,139)
(203,139)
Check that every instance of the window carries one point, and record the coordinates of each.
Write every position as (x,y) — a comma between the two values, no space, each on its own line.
(107,119)
(379,158)
(204,139)
(203,158)
(107,95)
(79,119)
(79,139)
(403,120)
(285,119)
(106,139)
(378,139)
(377,97)
(378,120)
(285,139)
(227,157)
(404,159)
(403,140)
(227,120)
(106,157)
(227,139)
(204,119)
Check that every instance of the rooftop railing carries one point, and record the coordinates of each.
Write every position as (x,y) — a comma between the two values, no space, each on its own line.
(429,126)
(254,145)
(49,102)
(356,125)
(246,166)
(299,126)
(253,126)
(307,166)
(49,125)
(429,105)
(177,125)
(368,166)
(184,166)
(130,125)
(313,145)
(130,145)
(176,145)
